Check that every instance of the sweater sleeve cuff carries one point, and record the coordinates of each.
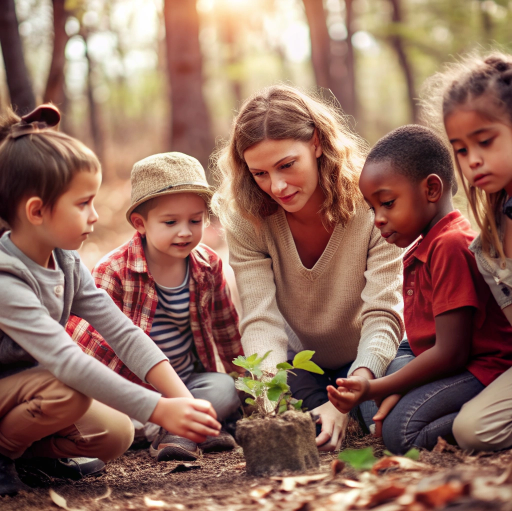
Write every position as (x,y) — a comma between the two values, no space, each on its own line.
(374,364)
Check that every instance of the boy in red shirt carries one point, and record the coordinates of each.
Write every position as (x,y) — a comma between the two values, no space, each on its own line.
(459,341)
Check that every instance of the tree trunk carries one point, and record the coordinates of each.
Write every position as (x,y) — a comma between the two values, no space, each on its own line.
(397,43)
(55,85)
(229,26)
(94,119)
(18,80)
(351,96)
(320,41)
(191,129)
(334,70)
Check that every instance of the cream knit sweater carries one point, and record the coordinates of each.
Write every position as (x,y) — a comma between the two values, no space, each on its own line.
(348,307)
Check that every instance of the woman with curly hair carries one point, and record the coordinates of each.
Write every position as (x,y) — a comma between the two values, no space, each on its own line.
(312,270)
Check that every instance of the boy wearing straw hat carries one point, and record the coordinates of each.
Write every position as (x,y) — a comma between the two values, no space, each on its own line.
(174,288)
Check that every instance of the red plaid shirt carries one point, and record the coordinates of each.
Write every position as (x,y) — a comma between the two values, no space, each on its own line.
(125,276)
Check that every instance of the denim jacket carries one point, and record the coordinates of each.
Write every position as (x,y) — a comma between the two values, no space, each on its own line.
(498,279)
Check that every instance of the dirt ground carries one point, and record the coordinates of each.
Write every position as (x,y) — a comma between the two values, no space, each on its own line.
(218,482)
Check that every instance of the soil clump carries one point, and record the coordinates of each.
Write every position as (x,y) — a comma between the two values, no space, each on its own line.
(276,445)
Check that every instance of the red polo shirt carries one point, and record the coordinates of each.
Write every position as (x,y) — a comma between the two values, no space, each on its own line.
(440,274)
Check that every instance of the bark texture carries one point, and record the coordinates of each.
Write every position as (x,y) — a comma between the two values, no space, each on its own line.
(190,127)
(54,92)
(18,80)
(405,64)
(333,61)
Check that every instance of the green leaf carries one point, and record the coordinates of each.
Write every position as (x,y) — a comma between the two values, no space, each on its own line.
(240,384)
(279,379)
(298,405)
(264,356)
(257,387)
(360,459)
(387,453)
(412,454)
(284,365)
(241,361)
(301,357)
(252,358)
(282,408)
(274,393)
(250,401)
(311,367)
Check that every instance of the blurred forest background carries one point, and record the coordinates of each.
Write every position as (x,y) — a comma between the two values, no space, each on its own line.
(137,77)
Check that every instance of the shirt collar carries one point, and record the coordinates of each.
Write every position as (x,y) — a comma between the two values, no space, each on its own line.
(421,247)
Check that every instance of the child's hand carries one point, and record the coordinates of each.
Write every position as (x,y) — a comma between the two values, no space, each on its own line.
(187,417)
(350,393)
(385,407)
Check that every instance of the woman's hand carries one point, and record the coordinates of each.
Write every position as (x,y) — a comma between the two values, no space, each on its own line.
(385,407)
(187,417)
(334,427)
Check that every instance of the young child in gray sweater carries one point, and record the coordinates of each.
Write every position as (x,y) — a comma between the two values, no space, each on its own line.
(56,401)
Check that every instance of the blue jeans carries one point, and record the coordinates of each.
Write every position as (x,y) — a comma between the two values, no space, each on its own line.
(426,412)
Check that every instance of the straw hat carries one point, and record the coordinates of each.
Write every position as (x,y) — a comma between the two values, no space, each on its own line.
(164,174)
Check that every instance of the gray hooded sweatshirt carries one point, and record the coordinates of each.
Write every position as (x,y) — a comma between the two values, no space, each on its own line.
(35,304)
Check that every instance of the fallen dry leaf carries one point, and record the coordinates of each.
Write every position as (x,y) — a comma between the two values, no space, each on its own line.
(506,477)
(352,484)
(106,495)
(441,445)
(289,483)
(397,462)
(344,499)
(443,494)
(60,501)
(390,492)
(261,492)
(336,467)
(183,467)
(154,504)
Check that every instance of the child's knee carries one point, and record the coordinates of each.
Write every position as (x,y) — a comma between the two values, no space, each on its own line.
(464,431)
(113,436)
(394,438)
(474,432)
(59,400)
(227,401)
(119,438)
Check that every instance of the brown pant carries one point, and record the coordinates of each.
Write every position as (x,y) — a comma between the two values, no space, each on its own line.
(485,422)
(40,416)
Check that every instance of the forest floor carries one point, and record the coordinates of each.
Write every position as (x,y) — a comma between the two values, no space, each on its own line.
(447,479)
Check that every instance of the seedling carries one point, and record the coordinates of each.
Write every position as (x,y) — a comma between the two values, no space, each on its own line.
(265,387)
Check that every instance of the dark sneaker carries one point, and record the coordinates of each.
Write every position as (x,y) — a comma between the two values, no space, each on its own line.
(223,442)
(66,468)
(167,447)
(10,483)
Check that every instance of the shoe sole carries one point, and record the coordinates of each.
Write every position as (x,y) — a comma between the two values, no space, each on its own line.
(217,448)
(173,452)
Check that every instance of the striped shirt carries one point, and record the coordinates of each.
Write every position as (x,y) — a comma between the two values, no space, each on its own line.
(171,329)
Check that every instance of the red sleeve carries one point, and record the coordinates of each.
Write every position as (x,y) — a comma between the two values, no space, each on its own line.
(224,319)
(109,280)
(454,274)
